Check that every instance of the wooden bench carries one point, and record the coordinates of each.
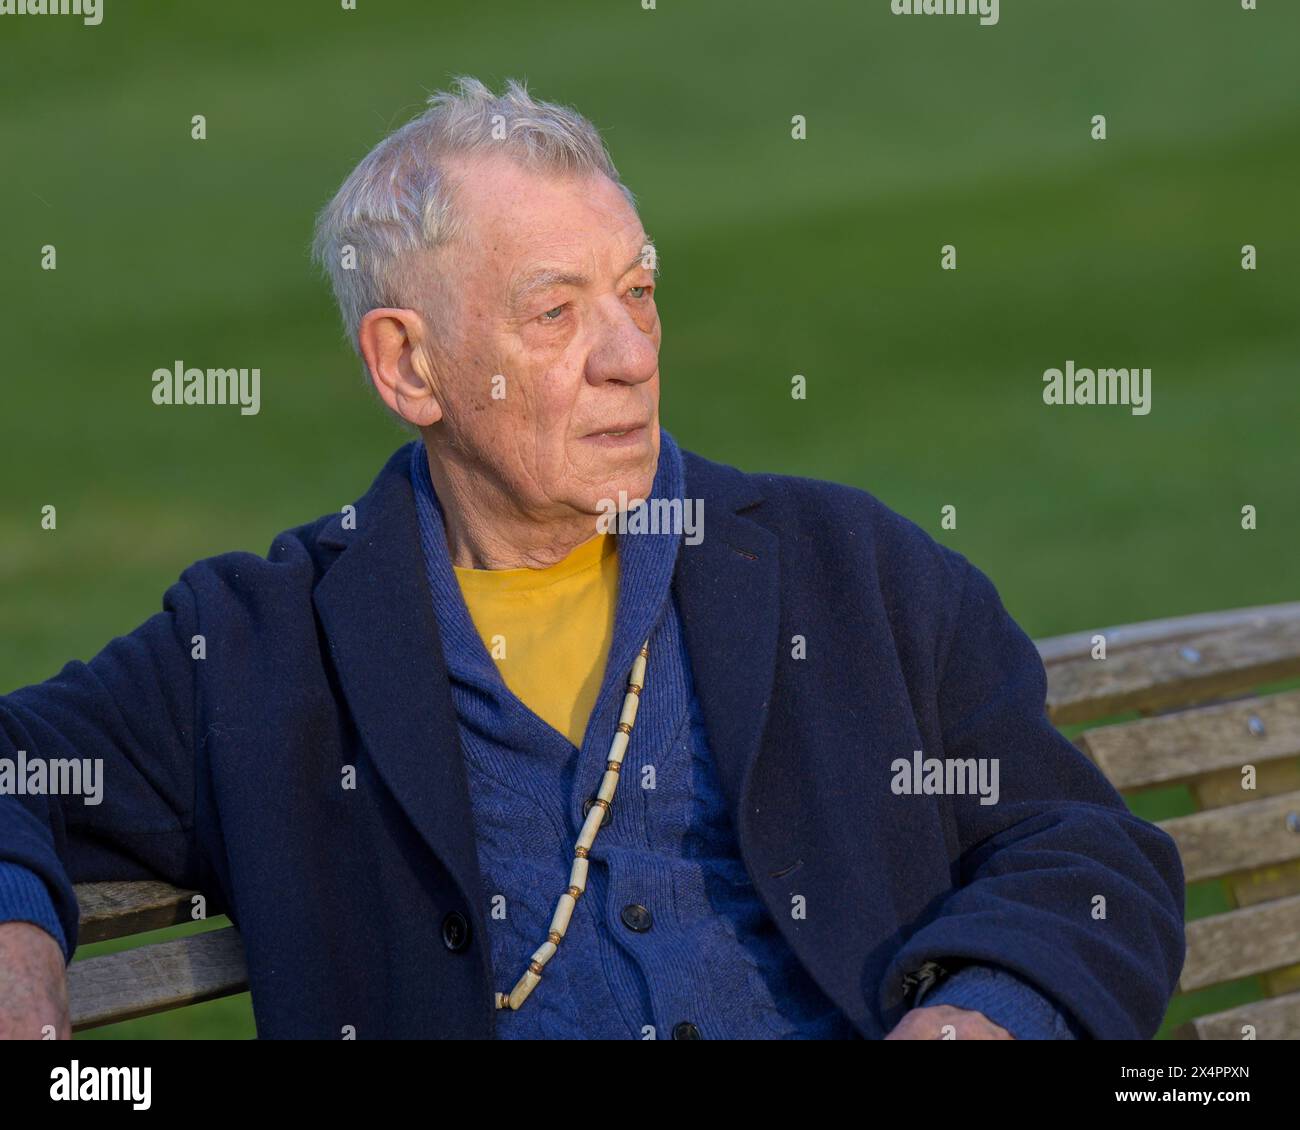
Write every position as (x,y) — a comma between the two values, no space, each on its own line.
(153,977)
(1192,681)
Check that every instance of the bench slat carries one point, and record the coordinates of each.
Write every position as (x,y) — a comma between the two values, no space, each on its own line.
(1182,746)
(1223,787)
(1078,645)
(1237,838)
(1274,1019)
(1241,943)
(119,909)
(157,977)
(1155,676)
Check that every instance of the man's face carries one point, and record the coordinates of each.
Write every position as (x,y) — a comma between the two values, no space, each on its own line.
(551,288)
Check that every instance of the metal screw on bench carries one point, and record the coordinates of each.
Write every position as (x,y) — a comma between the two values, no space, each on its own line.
(1255,725)
(596,815)
(1293,822)
(1190,654)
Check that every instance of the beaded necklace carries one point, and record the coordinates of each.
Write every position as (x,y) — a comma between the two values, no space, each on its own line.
(532,976)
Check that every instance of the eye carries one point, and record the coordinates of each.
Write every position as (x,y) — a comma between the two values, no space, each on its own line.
(643,289)
(557,311)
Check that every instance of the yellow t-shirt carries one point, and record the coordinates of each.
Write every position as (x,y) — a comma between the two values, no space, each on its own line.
(549,630)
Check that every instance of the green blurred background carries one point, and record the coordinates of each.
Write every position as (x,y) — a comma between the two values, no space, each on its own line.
(818,257)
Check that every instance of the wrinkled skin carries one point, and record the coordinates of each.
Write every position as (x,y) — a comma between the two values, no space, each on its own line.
(33,984)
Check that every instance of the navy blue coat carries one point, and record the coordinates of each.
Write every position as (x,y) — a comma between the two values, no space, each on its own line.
(224,773)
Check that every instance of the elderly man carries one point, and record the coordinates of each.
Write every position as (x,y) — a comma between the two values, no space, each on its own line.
(504,750)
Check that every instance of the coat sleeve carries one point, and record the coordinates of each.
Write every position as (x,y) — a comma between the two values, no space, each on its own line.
(24,898)
(1004,999)
(127,716)
(1056,881)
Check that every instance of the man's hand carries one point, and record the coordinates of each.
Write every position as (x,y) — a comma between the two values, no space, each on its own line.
(33,984)
(944,1022)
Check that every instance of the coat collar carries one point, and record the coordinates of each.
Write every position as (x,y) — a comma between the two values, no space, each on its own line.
(376,610)
(374,607)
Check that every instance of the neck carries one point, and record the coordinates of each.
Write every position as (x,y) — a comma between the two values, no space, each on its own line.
(487,530)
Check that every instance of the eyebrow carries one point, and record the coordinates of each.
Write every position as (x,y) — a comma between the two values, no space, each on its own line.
(545,277)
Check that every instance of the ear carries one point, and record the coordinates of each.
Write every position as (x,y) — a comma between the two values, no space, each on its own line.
(394,344)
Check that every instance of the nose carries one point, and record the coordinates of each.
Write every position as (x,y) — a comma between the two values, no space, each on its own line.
(623,350)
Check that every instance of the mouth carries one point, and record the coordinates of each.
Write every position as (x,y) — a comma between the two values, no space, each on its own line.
(619,435)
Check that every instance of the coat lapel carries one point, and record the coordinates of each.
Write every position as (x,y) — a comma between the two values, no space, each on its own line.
(377,613)
(727,590)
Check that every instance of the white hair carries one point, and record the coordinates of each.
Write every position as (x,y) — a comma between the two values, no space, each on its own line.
(397,203)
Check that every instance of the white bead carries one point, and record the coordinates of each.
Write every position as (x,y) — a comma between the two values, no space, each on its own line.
(563,912)
(607,785)
(618,747)
(630,705)
(578,874)
(591,826)
(527,983)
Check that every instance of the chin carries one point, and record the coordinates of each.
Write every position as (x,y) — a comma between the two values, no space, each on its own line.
(622,470)
(630,486)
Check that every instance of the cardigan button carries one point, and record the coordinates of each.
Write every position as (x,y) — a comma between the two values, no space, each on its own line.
(455,931)
(605,820)
(637,917)
(686,1031)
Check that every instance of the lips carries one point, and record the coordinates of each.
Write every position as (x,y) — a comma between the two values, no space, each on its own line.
(631,437)
(615,430)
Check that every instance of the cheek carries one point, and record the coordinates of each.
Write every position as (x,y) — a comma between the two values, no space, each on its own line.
(548,399)
(537,414)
